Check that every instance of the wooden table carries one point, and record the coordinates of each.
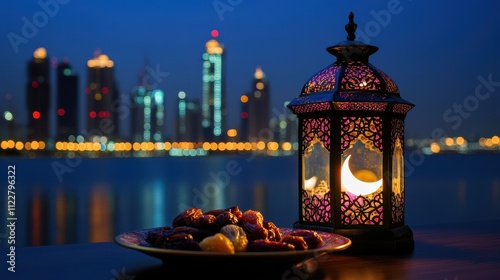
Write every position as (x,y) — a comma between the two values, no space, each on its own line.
(446,251)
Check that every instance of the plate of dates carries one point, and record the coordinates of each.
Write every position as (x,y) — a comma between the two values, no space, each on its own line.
(232,237)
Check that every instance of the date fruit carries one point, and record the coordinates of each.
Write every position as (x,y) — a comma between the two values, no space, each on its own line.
(187,217)
(177,241)
(269,246)
(198,234)
(207,222)
(229,230)
(235,210)
(274,233)
(226,218)
(255,231)
(252,217)
(312,238)
(152,235)
(298,241)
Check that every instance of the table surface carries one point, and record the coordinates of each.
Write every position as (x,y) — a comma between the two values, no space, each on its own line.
(454,251)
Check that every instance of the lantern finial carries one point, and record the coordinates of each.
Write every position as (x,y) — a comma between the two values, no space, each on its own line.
(351,28)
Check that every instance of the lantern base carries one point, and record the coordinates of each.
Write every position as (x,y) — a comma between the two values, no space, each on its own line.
(397,240)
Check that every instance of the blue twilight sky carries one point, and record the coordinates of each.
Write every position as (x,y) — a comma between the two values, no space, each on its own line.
(443,55)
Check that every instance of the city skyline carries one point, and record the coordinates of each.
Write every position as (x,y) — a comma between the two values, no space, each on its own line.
(443,60)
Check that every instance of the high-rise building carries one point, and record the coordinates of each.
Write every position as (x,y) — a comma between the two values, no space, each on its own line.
(101,93)
(147,113)
(243,133)
(188,118)
(258,108)
(155,102)
(213,104)
(38,96)
(285,126)
(137,113)
(67,102)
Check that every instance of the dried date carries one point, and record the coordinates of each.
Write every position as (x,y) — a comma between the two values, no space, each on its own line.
(226,218)
(187,217)
(207,222)
(274,233)
(198,234)
(269,246)
(252,217)
(298,241)
(152,235)
(245,231)
(214,212)
(312,238)
(235,210)
(178,241)
(254,231)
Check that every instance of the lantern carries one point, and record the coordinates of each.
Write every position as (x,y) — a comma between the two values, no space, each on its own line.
(351,150)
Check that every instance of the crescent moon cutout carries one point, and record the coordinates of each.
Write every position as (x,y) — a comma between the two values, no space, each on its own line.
(353,184)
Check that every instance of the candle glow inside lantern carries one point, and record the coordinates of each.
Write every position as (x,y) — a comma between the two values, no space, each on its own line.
(351,150)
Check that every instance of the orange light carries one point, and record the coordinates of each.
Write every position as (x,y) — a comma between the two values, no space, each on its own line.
(232,132)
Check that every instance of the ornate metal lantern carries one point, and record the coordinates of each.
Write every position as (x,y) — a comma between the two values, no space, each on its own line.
(351,155)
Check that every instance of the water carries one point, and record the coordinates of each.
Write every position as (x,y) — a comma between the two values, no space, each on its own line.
(60,201)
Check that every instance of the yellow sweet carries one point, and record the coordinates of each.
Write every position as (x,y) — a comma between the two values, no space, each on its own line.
(217,243)
(237,236)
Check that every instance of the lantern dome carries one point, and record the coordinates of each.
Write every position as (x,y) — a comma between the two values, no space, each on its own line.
(351,82)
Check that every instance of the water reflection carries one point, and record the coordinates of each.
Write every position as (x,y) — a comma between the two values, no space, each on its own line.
(66,216)
(95,208)
(101,207)
(38,226)
(153,203)
(461,198)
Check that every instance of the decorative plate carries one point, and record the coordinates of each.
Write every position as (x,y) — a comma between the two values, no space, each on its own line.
(136,240)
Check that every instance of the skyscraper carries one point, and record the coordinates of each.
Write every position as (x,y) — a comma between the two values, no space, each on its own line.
(213,103)
(148,112)
(243,133)
(258,108)
(67,102)
(156,104)
(101,93)
(188,119)
(137,113)
(38,96)
(285,126)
